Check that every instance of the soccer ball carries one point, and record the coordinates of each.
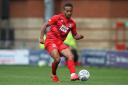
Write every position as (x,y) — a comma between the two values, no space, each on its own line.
(84,75)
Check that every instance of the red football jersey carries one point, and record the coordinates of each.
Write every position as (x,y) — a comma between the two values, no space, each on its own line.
(60,27)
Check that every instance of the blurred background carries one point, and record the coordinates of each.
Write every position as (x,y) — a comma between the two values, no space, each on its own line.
(104,24)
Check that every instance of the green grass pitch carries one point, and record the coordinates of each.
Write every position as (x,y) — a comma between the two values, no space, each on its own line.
(32,75)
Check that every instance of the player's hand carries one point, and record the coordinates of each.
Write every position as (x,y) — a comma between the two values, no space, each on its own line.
(78,37)
(42,41)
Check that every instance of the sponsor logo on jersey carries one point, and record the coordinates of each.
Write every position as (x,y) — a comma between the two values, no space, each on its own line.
(63,28)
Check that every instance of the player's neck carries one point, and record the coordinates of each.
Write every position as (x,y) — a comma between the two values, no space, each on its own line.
(66,17)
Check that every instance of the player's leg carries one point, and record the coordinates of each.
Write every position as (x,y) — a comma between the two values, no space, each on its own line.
(53,51)
(70,63)
(55,55)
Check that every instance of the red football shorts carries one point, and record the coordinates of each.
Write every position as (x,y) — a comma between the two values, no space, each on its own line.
(51,44)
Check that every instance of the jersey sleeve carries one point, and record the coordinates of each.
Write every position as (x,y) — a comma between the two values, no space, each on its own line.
(53,20)
(74,32)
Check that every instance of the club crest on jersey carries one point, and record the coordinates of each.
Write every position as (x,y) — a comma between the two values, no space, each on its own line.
(63,28)
(70,26)
(54,45)
(62,21)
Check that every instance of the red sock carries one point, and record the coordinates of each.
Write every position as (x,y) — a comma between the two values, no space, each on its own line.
(71,66)
(54,67)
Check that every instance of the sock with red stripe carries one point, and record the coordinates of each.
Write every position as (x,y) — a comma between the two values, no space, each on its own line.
(54,67)
(71,66)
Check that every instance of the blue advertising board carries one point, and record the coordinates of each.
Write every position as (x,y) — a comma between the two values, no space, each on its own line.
(37,56)
(94,57)
(117,59)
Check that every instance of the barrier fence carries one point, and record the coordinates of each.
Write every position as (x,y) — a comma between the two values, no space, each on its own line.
(88,57)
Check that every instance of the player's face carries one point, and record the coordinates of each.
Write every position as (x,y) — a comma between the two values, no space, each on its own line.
(68,11)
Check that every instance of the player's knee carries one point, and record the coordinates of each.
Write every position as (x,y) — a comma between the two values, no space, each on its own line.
(70,57)
(57,59)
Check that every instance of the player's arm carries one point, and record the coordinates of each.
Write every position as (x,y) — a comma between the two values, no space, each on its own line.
(75,34)
(78,36)
(43,28)
(50,22)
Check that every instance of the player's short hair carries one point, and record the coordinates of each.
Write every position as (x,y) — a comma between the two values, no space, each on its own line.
(68,4)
